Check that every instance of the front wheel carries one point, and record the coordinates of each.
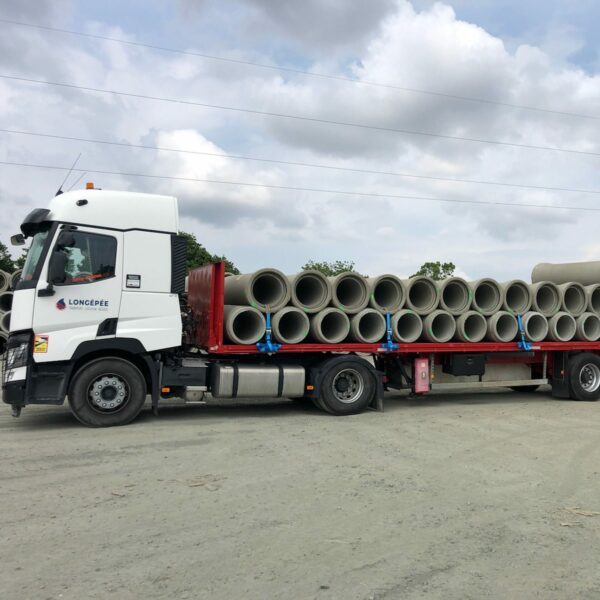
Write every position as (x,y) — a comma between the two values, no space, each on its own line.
(107,392)
(584,377)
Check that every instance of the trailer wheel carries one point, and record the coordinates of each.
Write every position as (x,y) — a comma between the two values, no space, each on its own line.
(107,392)
(584,377)
(347,387)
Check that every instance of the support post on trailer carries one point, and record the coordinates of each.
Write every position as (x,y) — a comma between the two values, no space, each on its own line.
(523,343)
(268,346)
(389,345)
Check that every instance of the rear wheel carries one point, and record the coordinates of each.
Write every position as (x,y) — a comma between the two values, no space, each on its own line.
(584,377)
(107,392)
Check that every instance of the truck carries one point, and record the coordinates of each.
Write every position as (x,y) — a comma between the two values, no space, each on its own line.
(101,317)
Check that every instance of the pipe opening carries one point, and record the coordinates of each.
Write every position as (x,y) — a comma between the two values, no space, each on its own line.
(442,326)
(408,327)
(351,291)
(507,328)
(387,293)
(268,289)
(292,326)
(422,295)
(5,321)
(474,327)
(371,326)
(487,296)
(565,327)
(517,298)
(591,327)
(546,299)
(536,327)
(595,300)
(311,291)
(574,299)
(455,296)
(6,300)
(334,325)
(248,326)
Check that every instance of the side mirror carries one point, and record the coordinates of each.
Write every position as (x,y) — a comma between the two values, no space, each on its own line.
(17,239)
(57,267)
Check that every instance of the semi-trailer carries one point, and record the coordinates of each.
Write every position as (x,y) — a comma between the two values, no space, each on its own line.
(101,316)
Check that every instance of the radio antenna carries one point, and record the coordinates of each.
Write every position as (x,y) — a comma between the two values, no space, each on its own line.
(67,175)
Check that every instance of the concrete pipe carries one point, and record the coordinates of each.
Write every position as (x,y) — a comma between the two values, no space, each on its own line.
(588,327)
(585,273)
(310,291)
(4,281)
(387,293)
(517,296)
(290,325)
(330,326)
(562,327)
(350,292)
(3,340)
(6,300)
(439,327)
(502,327)
(368,326)
(5,322)
(573,298)
(535,325)
(244,324)
(487,296)
(546,298)
(455,295)
(15,278)
(471,327)
(265,289)
(422,294)
(592,293)
(407,326)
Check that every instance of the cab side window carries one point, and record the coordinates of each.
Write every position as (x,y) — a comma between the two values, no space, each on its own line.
(91,258)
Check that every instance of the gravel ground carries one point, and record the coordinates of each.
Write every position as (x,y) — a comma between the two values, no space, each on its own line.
(488,495)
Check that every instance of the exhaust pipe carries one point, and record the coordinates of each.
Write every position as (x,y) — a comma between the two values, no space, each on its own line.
(546,298)
(407,326)
(471,327)
(487,296)
(387,293)
(573,298)
(588,327)
(267,290)
(244,324)
(350,292)
(4,281)
(290,325)
(330,326)
(585,273)
(517,297)
(502,327)
(422,294)
(455,295)
(310,291)
(535,325)
(6,300)
(439,327)
(592,293)
(15,278)
(368,326)
(562,327)
(5,322)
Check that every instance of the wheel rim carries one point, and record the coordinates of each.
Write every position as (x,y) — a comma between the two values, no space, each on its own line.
(347,386)
(589,377)
(108,393)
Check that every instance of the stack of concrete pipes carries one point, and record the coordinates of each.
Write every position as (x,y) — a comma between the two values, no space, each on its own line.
(311,308)
(7,284)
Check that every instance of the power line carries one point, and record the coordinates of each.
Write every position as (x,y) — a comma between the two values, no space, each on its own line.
(300,117)
(343,78)
(298,164)
(305,189)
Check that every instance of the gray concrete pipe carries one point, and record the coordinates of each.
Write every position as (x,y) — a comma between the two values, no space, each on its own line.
(3,340)
(471,327)
(387,293)
(368,326)
(562,327)
(290,325)
(573,298)
(15,278)
(407,326)
(585,273)
(5,322)
(244,324)
(6,300)
(4,281)
(350,292)
(516,296)
(422,294)
(310,291)
(535,325)
(546,298)
(455,295)
(502,327)
(487,296)
(588,327)
(330,326)
(265,289)
(592,293)
(439,327)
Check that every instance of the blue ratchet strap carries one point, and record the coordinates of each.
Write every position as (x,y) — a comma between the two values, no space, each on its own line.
(389,344)
(268,345)
(523,343)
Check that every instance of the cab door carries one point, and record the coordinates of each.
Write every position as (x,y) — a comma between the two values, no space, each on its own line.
(85,304)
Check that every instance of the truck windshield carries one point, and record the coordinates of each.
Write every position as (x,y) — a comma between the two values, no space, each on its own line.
(34,253)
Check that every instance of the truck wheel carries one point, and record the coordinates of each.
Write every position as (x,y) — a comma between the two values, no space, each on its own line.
(347,387)
(107,392)
(584,377)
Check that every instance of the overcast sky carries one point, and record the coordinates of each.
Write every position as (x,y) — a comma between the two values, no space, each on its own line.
(543,55)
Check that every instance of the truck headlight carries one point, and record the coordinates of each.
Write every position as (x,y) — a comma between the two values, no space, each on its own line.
(18,349)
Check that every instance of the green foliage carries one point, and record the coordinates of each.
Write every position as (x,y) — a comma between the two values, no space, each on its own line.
(6,261)
(20,262)
(329,268)
(436,270)
(197,255)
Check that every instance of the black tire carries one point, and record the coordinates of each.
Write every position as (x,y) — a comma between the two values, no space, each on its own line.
(107,392)
(584,377)
(526,389)
(347,387)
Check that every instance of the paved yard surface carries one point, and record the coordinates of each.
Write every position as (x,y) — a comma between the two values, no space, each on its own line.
(492,495)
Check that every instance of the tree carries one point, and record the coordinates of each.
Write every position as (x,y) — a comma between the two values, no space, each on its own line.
(330,269)
(6,261)
(197,255)
(436,270)
(20,262)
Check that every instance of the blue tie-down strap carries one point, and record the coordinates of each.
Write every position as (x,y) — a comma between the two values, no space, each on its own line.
(268,345)
(523,343)
(389,344)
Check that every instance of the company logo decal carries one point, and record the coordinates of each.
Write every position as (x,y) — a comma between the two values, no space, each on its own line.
(82,303)
(61,304)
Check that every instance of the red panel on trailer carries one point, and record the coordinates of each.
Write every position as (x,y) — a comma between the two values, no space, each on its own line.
(205,299)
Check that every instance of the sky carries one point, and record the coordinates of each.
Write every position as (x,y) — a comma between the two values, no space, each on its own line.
(497,56)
